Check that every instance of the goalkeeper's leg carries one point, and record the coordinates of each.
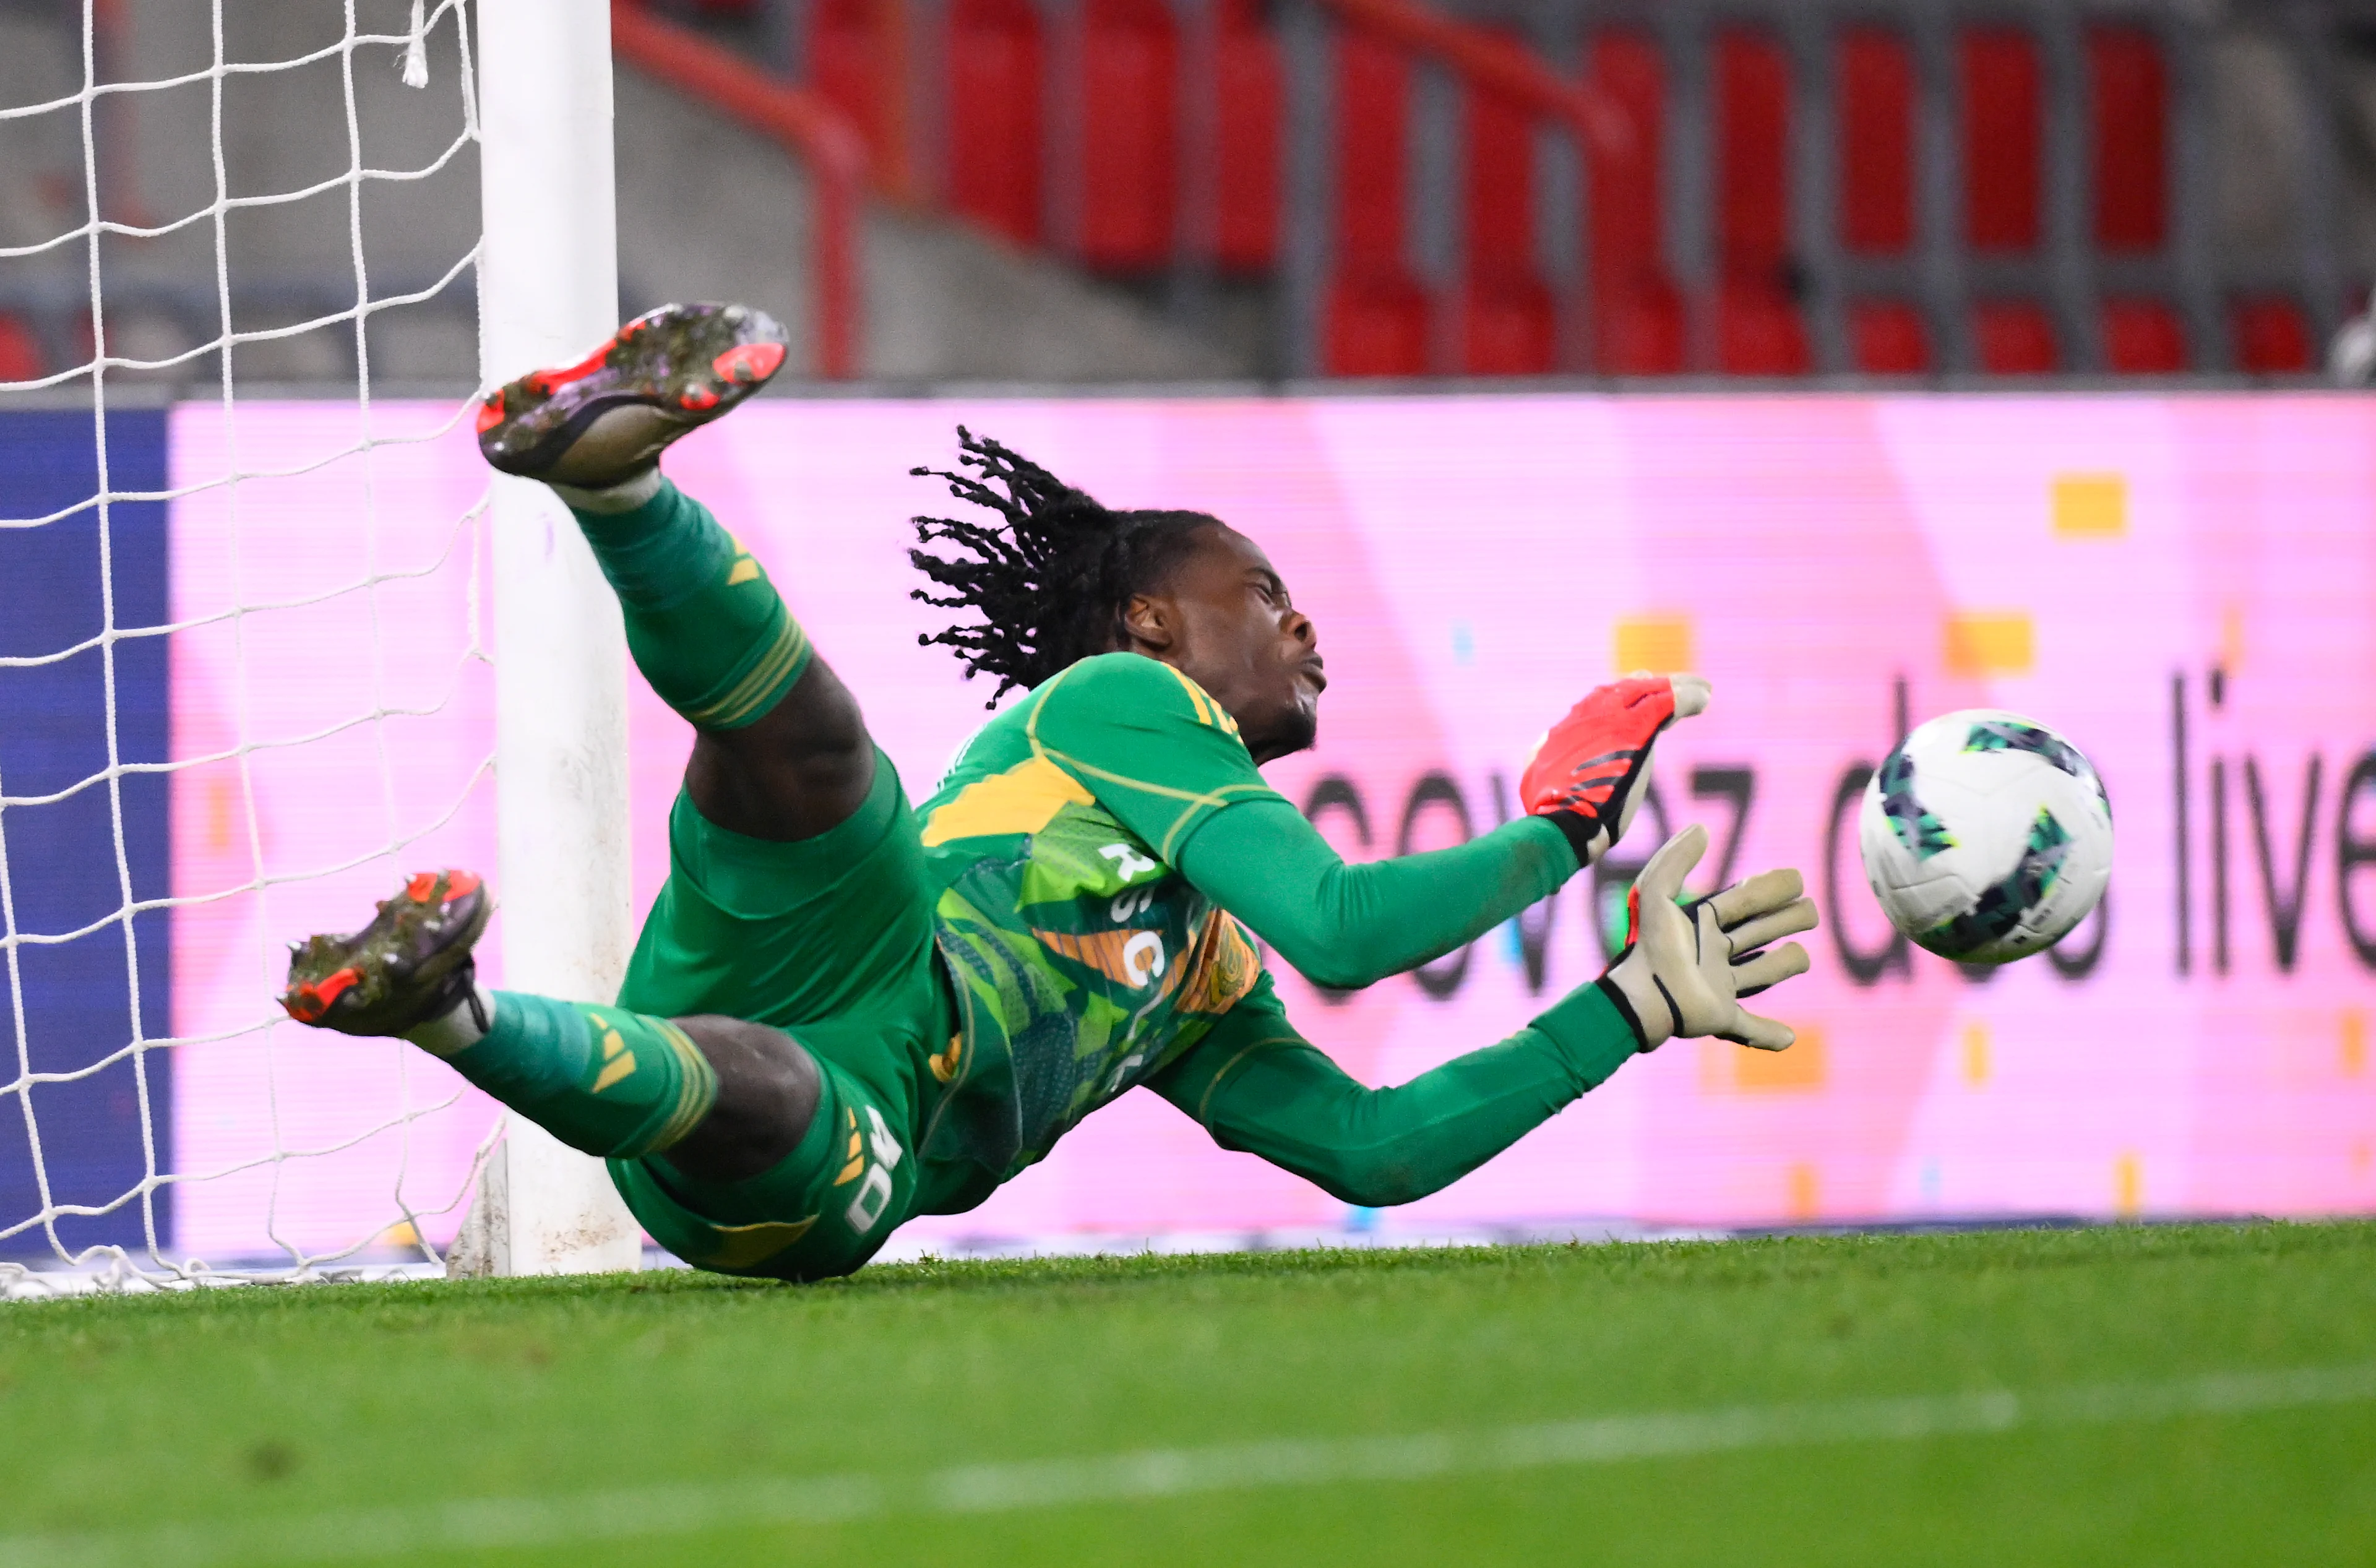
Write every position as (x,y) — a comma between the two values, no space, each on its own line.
(781,752)
(738,1146)
(729,1108)
(724,1099)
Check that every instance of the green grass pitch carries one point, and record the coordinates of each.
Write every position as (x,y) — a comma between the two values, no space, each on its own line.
(2118,1395)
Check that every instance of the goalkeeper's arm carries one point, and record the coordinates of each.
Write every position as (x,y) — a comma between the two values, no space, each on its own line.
(1348,926)
(1351,925)
(1257,1084)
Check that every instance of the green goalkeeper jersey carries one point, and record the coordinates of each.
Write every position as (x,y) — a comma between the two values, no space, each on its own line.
(1082,960)
(971,980)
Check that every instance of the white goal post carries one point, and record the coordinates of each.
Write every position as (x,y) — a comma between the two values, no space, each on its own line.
(548,289)
(271,638)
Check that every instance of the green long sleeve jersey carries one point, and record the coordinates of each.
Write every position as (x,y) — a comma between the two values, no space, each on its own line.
(1091,847)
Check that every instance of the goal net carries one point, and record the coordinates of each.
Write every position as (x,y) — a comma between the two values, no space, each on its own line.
(252,669)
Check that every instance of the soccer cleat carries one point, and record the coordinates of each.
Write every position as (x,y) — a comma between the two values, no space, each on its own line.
(412,964)
(606,418)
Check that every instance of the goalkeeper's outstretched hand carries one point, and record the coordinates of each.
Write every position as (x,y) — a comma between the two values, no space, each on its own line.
(1686,966)
(1589,773)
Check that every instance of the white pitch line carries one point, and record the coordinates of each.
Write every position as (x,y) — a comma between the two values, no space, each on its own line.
(522,1522)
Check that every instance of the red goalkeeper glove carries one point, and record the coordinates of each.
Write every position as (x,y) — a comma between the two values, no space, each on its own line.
(1587,774)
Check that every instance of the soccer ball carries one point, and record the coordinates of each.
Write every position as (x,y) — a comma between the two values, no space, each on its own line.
(1986,836)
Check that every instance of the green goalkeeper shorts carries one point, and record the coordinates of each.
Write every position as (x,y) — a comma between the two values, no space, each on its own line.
(830,940)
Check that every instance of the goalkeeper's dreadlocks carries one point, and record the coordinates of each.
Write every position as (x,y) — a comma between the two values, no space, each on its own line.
(1050,580)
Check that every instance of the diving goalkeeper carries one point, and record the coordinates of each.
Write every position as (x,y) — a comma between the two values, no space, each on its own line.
(845,1011)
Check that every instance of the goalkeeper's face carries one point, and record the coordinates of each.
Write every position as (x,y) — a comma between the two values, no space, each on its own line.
(1224,617)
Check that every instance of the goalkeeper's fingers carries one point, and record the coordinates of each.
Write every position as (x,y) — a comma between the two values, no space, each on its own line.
(1768,891)
(1662,879)
(1690,692)
(1767,970)
(1792,917)
(1760,1034)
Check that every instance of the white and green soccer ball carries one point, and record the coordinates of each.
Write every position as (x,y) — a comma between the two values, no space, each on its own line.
(1986,836)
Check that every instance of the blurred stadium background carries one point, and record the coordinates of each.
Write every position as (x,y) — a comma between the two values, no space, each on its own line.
(1873,357)
(1363,275)
(1160,191)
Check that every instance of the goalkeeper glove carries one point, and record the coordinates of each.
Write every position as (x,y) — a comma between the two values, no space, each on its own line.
(1686,966)
(1588,774)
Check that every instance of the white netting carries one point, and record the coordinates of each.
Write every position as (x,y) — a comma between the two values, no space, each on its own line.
(242,674)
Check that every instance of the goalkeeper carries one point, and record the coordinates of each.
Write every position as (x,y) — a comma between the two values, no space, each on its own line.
(845,1011)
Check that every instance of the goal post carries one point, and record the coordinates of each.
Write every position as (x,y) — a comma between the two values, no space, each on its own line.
(272,638)
(548,290)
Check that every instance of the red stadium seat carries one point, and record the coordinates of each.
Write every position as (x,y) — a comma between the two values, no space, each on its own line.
(2013,337)
(1758,331)
(2143,338)
(1245,236)
(2273,337)
(1377,324)
(1130,71)
(2001,138)
(2130,92)
(993,109)
(1508,326)
(1876,108)
(1377,311)
(1888,337)
(1507,318)
(1757,327)
(1639,331)
(1638,316)
(1752,103)
(20,350)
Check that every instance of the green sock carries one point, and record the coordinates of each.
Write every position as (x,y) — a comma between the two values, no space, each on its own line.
(601,1079)
(707,627)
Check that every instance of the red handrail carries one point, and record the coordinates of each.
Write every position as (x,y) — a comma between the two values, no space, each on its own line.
(810,128)
(1497,65)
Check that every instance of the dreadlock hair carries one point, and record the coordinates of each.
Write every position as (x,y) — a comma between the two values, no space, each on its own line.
(1051,577)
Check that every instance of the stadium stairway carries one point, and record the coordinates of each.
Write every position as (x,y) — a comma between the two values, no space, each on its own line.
(709,209)
(706,210)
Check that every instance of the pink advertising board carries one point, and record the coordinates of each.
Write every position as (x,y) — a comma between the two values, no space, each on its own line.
(2182,585)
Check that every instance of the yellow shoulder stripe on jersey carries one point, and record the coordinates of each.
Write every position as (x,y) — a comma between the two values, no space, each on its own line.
(1023,799)
(1204,705)
(1193,800)
(1210,711)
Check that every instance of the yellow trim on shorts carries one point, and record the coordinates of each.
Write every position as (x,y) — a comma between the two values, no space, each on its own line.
(748,1244)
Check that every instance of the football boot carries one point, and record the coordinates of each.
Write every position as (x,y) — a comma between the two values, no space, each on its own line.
(411,965)
(606,418)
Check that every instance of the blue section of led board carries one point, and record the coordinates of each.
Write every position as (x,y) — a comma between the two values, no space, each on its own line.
(68,1004)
